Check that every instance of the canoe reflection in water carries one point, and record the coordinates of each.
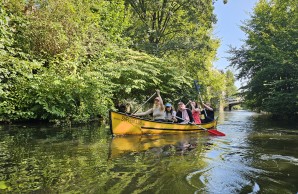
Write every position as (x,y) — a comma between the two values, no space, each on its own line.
(159,145)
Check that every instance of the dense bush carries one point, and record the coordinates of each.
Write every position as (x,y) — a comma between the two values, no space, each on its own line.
(72,61)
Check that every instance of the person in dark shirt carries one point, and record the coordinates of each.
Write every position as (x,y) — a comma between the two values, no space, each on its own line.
(170,113)
(207,113)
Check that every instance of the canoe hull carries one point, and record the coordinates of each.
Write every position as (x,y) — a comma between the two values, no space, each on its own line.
(122,124)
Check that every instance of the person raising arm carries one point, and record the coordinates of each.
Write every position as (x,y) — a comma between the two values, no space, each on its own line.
(208,112)
(195,112)
(157,110)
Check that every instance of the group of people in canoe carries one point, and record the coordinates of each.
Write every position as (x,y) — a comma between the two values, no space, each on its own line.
(166,113)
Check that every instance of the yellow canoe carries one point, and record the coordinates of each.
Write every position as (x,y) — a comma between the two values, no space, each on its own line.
(123,124)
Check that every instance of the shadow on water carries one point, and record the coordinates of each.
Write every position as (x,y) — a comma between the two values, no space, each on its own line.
(255,156)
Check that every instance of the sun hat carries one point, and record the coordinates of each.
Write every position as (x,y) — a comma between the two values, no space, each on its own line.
(168,104)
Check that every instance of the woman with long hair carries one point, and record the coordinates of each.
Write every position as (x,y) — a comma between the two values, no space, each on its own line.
(195,110)
(157,111)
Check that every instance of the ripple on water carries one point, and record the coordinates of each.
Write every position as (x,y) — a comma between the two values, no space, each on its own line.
(289,159)
(221,180)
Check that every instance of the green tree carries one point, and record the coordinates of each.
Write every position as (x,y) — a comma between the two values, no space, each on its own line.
(269,57)
(15,70)
(74,60)
(45,73)
(179,31)
(231,89)
(165,26)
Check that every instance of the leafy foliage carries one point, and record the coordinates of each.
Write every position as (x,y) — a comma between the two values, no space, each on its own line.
(269,57)
(72,61)
(163,26)
(15,70)
(231,89)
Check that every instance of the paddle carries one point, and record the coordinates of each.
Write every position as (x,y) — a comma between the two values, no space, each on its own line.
(187,103)
(211,131)
(198,90)
(144,103)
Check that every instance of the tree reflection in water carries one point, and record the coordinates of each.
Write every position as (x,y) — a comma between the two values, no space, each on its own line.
(254,156)
(87,160)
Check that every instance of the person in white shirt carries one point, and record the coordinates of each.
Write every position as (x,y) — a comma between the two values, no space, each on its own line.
(157,110)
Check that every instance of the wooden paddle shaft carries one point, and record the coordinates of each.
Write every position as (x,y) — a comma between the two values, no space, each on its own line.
(192,123)
(144,103)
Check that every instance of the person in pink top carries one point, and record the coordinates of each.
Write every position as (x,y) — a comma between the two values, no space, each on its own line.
(195,112)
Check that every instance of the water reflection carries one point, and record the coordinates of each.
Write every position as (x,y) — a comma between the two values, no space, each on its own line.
(228,162)
(255,156)
(159,163)
(160,144)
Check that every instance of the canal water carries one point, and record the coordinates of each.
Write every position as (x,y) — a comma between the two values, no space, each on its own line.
(257,155)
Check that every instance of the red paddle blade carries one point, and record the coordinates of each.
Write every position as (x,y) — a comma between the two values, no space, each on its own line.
(215,132)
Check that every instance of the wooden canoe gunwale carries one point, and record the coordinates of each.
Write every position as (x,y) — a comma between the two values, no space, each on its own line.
(172,129)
